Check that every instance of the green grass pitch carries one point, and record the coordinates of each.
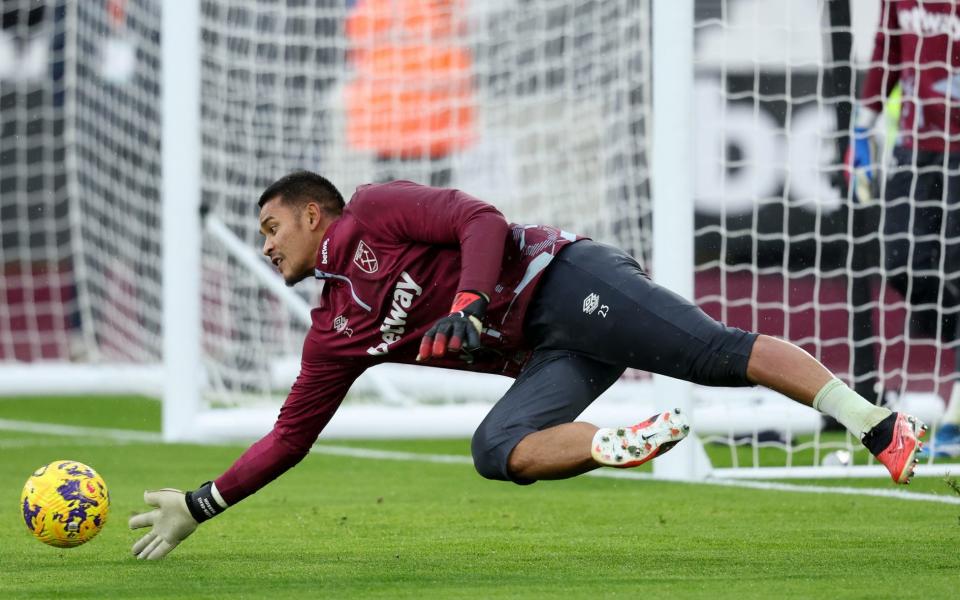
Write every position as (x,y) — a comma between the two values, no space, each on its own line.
(342,527)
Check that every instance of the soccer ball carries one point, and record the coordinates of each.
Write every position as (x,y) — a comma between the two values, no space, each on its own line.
(837,458)
(65,503)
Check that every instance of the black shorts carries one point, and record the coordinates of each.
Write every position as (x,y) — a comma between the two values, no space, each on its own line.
(596,313)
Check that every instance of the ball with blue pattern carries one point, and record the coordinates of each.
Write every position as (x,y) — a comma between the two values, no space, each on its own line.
(65,503)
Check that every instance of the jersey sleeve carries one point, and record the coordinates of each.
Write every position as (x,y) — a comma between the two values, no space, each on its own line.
(884,71)
(408,212)
(314,397)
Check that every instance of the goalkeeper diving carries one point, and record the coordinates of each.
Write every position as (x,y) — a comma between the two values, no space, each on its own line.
(431,276)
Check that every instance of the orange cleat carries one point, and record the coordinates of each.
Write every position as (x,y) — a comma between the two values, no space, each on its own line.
(895,441)
(632,446)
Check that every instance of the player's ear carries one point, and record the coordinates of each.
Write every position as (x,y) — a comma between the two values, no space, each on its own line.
(313,215)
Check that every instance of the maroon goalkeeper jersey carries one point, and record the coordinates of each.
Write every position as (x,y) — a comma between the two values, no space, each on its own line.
(391,265)
(916,44)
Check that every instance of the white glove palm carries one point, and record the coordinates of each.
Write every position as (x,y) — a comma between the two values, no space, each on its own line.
(171,520)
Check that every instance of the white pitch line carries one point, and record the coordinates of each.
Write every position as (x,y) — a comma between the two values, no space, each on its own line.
(622,474)
(126,435)
(47,442)
(392,455)
(898,494)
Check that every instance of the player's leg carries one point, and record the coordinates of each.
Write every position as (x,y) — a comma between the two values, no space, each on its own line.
(788,369)
(928,294)
(913,201)
(648,327)
(894,438)
(596,300)
(529,434)
(896,219)
(951,249)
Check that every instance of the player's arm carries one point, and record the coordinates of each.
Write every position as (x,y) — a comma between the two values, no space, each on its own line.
(314,398)
(416,213)
(882,76)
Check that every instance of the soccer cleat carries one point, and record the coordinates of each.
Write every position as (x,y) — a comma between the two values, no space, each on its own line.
(895,441)
(945,444)
(625,447)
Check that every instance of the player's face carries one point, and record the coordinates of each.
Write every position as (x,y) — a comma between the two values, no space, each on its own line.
(291,238)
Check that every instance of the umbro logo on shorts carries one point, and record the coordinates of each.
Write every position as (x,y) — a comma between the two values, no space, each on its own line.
(590,304)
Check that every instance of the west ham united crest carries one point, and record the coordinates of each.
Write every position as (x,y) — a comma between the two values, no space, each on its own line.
(365,258)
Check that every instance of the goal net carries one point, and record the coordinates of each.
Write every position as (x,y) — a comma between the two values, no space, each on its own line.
(782,245)
(542,107)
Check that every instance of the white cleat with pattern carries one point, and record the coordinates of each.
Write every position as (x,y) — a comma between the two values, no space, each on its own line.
(632,446)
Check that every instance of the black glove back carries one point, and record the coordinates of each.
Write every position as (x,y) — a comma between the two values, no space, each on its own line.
(458,330)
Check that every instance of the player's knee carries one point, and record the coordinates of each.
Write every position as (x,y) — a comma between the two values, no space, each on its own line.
(487,459)
(724,361)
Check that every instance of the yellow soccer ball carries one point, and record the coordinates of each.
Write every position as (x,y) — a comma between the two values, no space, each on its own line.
(65,503)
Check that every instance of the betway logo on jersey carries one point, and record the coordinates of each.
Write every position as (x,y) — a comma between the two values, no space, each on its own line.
(323,252)
(395,325)
(918,21)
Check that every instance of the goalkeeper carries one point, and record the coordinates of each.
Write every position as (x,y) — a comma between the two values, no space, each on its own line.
(915,48)
(416,274)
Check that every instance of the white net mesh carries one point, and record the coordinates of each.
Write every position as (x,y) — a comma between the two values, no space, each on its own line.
(80,164)
(782,247)
(113,158)
(38,306)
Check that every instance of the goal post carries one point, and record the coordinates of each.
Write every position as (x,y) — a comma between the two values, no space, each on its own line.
(672,198)
(181,199)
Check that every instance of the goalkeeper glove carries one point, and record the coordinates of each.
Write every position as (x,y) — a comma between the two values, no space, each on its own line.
(175,517)
(458,330)
(858,161)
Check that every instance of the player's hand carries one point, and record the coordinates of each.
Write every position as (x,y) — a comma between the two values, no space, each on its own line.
(858,161)
(171,523)
(460,330)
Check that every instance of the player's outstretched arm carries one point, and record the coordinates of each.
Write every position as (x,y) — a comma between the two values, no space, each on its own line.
(315,396)
(175,516)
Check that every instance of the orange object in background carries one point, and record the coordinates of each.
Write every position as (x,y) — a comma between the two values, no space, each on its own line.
(412,92)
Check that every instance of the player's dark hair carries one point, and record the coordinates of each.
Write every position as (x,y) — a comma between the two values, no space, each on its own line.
(300,187)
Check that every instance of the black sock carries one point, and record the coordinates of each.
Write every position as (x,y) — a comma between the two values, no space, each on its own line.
(877,439)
